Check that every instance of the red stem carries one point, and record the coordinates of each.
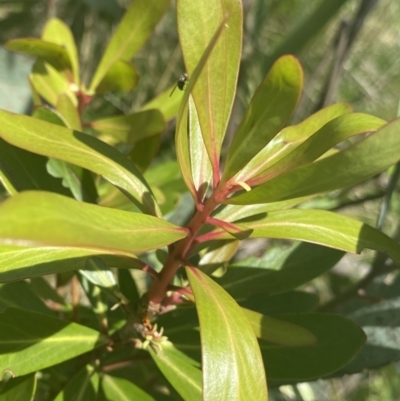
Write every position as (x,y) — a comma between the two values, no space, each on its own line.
(182,248)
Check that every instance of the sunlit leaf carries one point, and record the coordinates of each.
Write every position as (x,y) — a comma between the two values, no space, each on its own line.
(123,390)
(363,160)
(291,137)
(80,149)
(269,109)
(50,52)
(324,228)
(56,31)
(231,359)
(130,35)
(42,218)
(182,375)
(122,76)
(69,112)
(216,86)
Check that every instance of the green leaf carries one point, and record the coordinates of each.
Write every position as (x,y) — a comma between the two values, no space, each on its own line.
(363,160)
(131,128)
(52,53)
(278,270)
(31,341)
(123,390)
(166,103)
(332,133)
(182,375)
(20,295)
(80,149)
(277,331)
(338,340)
(130,35)
(291,137)
(181,133)
(25,170)
(56,31)
(269,109)
(42,218)
(231,358)
(217,255)
(69,112)
(122,76)
(82,387)
(380,323)
(19,388)
(17,263)
(216,85)
(324,228)
(286,302)
(200,162)
(49,83)
(144,152)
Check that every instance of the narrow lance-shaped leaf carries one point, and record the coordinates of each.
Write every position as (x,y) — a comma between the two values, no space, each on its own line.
(269,109)
(324,228)
(363,160)
(18,263)
(50,83)
(231,360)
(123,390)
(31,341)
(199,159)
(332,133)
(80,149)
(19,388)
(181,135)
(291,137)
(56,31)
(214,93)
(130,35)
(52,53)
(42,218)
(183,376)
(122,76)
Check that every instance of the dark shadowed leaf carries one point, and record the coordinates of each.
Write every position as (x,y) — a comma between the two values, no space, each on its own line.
(19,388)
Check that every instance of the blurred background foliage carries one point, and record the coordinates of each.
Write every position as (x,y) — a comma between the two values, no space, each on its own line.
(350,51)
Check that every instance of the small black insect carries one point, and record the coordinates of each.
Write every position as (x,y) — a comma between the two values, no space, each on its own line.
(183,79)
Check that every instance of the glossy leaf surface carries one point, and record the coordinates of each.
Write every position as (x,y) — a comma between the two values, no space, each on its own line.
(17,263)
(269,109)
(43,218)
(230,354)
(80,149)
(370,156)
(291,137)
(31,341)
(130,35)
(216,86)
(331,134)
(182,375)
(324,228)
(181,135)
